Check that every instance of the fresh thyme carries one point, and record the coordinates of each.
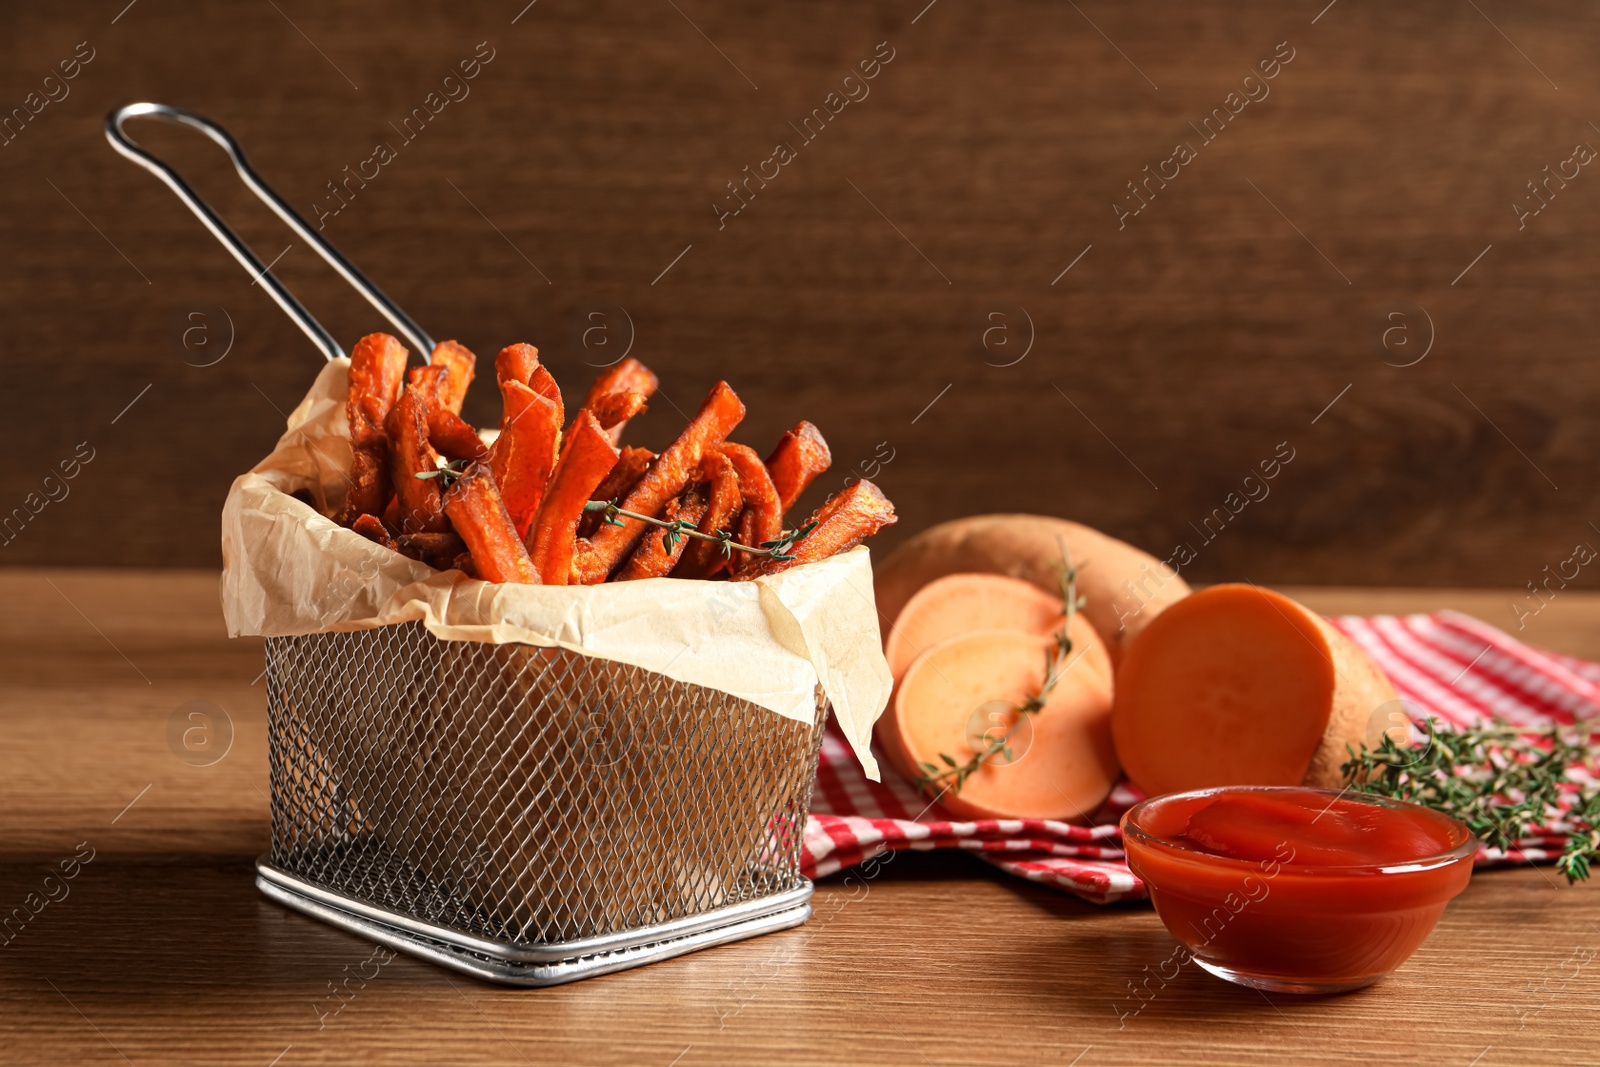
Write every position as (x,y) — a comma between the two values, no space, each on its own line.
(677,529)
(447,472)
(1055,663)
(1500,780)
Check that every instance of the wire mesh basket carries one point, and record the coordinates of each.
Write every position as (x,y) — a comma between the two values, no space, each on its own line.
(527,814)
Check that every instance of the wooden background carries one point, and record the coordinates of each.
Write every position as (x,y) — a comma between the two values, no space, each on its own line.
(1174,356)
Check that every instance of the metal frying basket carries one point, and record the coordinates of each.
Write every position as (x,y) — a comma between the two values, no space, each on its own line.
(527,815)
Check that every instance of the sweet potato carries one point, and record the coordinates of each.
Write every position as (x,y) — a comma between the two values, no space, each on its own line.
(369,527)
(460,363)
(480,517)
(669,474)
(702,559)
(437,550)
(801,455)
(587,455)
(762,518)
(447,431)
(652,558)
(525,452)
(615,409)
(1238,685)
(630,467)
(847,519)
(964,691)
(421,507)
(543,383)
(377,369)
(1125,588)
(619,393)
(963,603)
(516,363)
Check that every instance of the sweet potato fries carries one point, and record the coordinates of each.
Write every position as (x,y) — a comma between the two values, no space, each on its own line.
(553,506)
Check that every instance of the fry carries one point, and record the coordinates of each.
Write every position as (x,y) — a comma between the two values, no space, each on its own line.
(437,550)
(447,431)
(669,473)
(652,558)
(541,382)
(763,509)
(460,363)
(479,516)
(377,367)
(702,559)
(370,528)
(842,523)
(630,467)
(525,452)
(610,397)
(587,455)
(410,453)
(615,409)
(515,363)
(801,455)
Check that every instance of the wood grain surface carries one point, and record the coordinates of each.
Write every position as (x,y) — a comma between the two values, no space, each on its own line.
(903,281)
(163,952)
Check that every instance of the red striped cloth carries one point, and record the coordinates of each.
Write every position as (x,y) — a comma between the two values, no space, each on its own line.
(1447,665)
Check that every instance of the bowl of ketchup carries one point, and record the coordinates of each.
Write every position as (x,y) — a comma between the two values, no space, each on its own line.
(1297,890)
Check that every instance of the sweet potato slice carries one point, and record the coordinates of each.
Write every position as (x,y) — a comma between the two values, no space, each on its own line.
(516,363)
(377,369)
(447,431)
(1238,685)
(669,474)
(460,363)
(801,455)
(842,523)
(437,550)
(480,517)
(369,527)
(615,409)
(525,452)
(421,508)
(652,558)
(762,518)
(630,467)
(619,393)
(702,559)
(587,456)
(960,693)
(543,383)
(963,603)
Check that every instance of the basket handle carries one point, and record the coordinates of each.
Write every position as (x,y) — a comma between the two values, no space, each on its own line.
(313,329)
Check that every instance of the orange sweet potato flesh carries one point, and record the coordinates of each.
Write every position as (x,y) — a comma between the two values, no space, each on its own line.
(516,363)
(542,382)
(421,508)
(652,558)
(587,456)
(846,520)
(615,409)
(1065,764)
(963,603)
(369,527)
(702,559)
(447,431)
(1239,685)
(525,452)
(461,364)
(480,517)
(801,455)
(762,518)
(377,369)
(667,476)
(437,550)
(630,467)
(619,393)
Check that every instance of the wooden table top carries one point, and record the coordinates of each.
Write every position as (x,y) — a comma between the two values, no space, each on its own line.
(162,950)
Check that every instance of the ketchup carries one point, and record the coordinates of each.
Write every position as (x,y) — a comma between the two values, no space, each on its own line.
(1297,889)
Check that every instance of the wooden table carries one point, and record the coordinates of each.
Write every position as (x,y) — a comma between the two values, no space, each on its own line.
(162,951)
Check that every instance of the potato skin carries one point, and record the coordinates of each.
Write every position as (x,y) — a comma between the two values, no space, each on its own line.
(1124,587)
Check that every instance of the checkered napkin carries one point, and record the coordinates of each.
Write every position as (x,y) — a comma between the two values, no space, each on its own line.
(1448,665)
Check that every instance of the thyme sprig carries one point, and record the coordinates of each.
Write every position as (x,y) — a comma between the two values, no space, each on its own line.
(447,471)
(1501,780)
(1055,664)
(677,529)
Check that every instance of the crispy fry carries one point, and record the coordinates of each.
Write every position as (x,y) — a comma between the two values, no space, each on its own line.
(614,409)
(652,558)
(437,550)
(668,475)
(541,382)
(630,467)
(373,530)
(480,517)
(515,363)
(464,564)
(525,452)
(762,519)
(391,515)
(460,363)
(447,431)
(702,559)
(587,455)
(377,367)
(847,519)
(420,507)
(610,397)
(801,455)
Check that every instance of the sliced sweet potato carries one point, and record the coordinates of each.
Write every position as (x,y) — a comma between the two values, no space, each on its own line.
(669,474)
(369,527)
(516,363)
(587,455)
(525,452)
(801,455)
(619,393)
(377,369)
(847,519)
(1238,685)
(702,559)
(614,409)
(651,557)
(421,507)
(630,467)
(437,550)
(479,515)
(959,694)
(762,517)
(460,363)
(542,382)
(963,603)
(447,431)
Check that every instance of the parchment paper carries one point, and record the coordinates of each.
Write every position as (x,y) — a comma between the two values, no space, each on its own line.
(288,570)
